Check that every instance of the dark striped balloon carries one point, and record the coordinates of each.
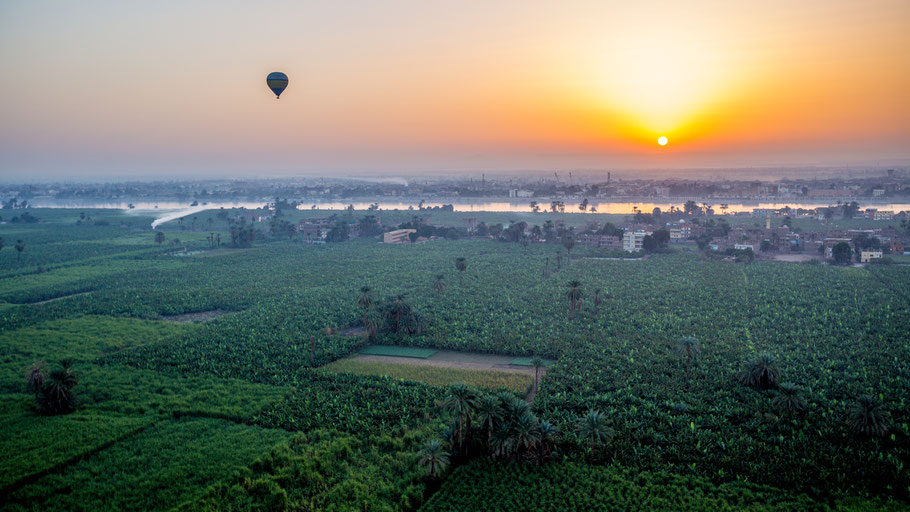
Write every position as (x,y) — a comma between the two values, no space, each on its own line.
(277,82)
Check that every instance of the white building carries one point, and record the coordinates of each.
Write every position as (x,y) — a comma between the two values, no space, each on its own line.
(632,240)
(867,256)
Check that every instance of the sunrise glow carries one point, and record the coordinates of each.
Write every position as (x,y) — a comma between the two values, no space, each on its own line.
(590,86)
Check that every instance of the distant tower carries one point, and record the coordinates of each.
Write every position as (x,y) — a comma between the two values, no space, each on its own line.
(608,178)
(768,221)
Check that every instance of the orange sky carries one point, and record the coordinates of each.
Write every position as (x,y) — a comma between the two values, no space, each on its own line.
(91,87)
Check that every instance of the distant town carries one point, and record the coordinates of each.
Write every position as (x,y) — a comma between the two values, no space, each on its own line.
(839,221)
(891,185)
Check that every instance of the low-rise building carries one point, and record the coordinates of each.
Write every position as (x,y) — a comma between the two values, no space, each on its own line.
(867,256)
(399,236)
(600,241)
(632,240)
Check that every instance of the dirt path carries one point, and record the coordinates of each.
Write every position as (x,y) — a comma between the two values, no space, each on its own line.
(53,300)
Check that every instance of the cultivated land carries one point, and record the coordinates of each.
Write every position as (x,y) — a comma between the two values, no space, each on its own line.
(236,412)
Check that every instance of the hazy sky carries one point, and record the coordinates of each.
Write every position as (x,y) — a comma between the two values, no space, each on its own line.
(171,88)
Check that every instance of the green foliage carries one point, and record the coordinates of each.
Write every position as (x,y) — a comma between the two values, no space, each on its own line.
(156,469)
(33,444)
(355,404)
(324,471)
(482,485)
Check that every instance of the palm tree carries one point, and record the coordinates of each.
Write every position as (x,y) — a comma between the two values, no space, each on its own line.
(55,395)
(526,432)
(365,302)
(574,294)
(159,237)
(489,414)
(760,373)
(501,444)
(516,408)
(1,243)
(592,429)
(569,243)
(433,458)
(597,299)
(868,417)
(35,377)
(371,324)
(688,348)
(537,363)
(461,402)
(398,311)
(789,399)
(439,285)
(414,323)
(460,265)
(548,434)
(20,246)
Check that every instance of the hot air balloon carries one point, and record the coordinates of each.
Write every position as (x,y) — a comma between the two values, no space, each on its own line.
(277,82)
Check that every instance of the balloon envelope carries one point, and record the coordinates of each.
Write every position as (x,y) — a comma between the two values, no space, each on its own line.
(277,82)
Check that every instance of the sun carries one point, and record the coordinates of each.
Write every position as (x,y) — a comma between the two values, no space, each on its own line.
(662,140)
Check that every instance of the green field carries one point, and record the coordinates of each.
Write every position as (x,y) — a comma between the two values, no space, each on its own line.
(242,413)
(384,350)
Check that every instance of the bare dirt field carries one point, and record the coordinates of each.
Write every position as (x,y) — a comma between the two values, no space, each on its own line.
(452,359)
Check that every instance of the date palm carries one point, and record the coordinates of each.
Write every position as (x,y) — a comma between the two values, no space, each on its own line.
(365,302)
(461,403)
(569,243)
(789,399)
(489,415)
(574,294)
(433,458)
(372,322)
(398,311)
(55,395)
(35,377)
(460,265)
(868,417)
(439,286)
(20,246)
(526,432)
(537,363)
(760,373)
(593,430)
(548,433)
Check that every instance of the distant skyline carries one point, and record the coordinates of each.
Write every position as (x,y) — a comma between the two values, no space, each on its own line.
(177,89)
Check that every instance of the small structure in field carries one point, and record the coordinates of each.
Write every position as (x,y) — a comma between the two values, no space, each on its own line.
(399,236)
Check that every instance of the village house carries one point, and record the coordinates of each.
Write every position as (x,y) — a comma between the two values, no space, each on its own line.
(867,256)
(632,240)
(398,236)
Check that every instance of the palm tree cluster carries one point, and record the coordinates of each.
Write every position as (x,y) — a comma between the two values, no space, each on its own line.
(53,391)
(574,294)
(396,314)
(760,373)
(504,427)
